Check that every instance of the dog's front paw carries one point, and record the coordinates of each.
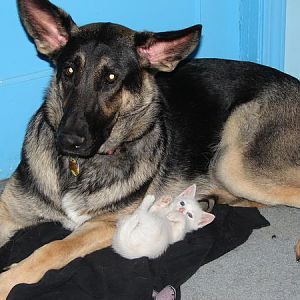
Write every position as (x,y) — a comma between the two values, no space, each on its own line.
(7,282)
(16,274)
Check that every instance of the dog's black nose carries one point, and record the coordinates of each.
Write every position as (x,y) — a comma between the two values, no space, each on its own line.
(70,142)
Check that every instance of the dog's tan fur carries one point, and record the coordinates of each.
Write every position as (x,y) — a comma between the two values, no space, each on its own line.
(236,172)
(93,235)
(239,180)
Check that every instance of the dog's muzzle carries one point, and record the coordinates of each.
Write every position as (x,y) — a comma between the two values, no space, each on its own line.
(73,144)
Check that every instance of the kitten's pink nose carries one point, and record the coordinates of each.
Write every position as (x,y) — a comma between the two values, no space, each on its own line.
(181,210)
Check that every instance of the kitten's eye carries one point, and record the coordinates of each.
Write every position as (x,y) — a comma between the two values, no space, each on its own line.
(182,203)
(190,215)
(69,72)
(111,78)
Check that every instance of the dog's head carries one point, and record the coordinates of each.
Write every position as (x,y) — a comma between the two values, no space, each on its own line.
(103,81)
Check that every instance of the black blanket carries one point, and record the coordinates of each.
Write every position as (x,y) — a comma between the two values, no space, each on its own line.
(105,275)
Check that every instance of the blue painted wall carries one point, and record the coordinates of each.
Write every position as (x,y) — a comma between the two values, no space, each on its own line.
(262,31)
(221,32)
(24,77)
(292,44)
(18,97)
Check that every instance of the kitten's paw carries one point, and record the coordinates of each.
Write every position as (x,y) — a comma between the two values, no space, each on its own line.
(164,201)
(149,198)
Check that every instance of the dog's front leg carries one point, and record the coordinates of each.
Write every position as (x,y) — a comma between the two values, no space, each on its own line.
(93,235)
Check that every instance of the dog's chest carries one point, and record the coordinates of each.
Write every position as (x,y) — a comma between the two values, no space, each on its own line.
(73,208)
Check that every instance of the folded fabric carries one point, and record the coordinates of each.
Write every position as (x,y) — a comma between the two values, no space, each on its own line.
(105,275)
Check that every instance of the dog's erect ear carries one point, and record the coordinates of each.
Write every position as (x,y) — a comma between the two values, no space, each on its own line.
(164,50)
(49,26)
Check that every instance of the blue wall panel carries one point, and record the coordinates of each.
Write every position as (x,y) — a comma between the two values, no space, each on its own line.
(220,36)
(292,43)
(262,31)
(19,97)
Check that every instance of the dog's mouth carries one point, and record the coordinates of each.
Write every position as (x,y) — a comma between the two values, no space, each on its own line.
(78,146)
(83,140)
(112,151)
(82,151)
(74,158)
(89,152)
(105,142)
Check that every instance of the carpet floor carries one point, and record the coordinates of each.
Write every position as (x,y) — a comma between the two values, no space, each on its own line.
(263,268)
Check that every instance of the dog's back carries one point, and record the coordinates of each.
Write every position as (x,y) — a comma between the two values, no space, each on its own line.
(204,93)
(252,119)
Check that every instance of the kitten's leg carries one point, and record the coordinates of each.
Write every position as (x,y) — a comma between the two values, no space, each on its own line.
(147,203)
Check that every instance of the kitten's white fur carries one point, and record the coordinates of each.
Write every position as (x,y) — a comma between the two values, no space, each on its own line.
(157,224)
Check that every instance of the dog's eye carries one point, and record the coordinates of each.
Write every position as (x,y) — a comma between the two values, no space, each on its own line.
(182,203)
(190,215)
(111,77)
(69,71)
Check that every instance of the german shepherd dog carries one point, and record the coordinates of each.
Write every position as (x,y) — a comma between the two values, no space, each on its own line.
(119,121)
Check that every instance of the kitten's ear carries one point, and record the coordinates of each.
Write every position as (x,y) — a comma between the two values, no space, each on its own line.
(206,218)
(190,192)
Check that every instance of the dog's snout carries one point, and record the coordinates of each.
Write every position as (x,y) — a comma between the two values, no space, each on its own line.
(70,142)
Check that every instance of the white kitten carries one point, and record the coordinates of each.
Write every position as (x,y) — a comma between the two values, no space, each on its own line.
(143,233)
(155,225)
